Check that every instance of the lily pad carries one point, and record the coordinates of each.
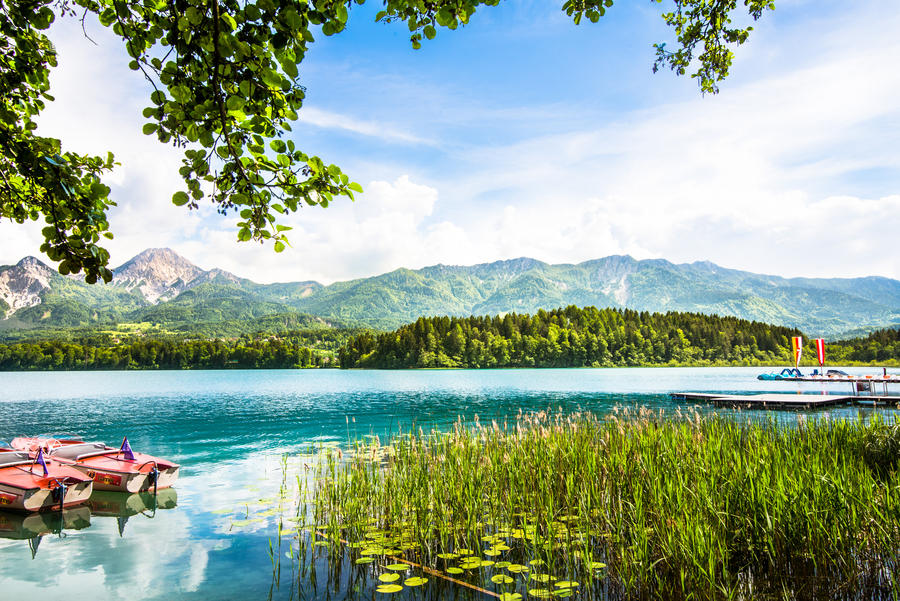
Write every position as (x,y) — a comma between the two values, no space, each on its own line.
(536,562)
(455,571)
(541,577)
(502,579)
(448,555)
(510,597)
(362,560)
(563,592)
(502,564)
(597,565)
(517,568)
(540,593)
(389,577)
(567,584)
(389,588)
(398,567)
(415,581)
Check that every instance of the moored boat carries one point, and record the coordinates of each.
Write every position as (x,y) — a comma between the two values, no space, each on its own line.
(113,469)
(37,483)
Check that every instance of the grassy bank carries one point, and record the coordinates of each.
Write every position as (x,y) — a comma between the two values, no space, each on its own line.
(632,506)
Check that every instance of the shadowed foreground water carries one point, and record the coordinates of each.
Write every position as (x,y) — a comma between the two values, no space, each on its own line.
(228,429)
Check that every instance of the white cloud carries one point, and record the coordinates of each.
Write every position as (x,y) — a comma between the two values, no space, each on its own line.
(326,119)
(384,229)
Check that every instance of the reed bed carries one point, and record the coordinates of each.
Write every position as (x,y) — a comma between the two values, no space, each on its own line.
(636,504)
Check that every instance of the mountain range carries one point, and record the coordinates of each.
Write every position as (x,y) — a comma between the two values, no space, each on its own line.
(160,286)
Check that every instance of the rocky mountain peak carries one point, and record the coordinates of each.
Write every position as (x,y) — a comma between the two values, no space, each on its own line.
(22,284)
(157,273)
(33,263)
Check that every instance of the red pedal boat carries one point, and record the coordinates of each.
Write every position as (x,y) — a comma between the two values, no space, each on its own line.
(111,469)
(37,483)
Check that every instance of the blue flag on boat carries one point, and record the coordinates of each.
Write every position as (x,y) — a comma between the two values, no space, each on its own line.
(40,459)
(126,449)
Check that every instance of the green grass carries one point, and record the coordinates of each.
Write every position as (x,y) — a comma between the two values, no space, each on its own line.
(635,505)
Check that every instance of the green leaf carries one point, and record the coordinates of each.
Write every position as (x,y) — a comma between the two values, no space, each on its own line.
(149,128)
(279,246)
(180,198)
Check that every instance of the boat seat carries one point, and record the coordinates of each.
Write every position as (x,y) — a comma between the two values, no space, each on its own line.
(74,452)
(13,458)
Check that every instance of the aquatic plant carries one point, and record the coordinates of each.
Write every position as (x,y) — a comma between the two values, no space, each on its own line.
(552,505)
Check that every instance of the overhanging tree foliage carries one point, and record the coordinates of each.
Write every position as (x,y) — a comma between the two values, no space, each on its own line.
(224,86)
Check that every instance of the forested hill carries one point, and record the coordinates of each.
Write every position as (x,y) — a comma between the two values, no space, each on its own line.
(591,337)
(161,289)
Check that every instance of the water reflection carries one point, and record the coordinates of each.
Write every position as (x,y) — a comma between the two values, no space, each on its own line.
(125,505)
(32,527)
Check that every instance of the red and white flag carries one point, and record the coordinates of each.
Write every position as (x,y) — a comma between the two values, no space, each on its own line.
(820,351)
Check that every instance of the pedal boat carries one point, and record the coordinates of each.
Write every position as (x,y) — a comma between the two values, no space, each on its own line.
(39,483)
(120,470)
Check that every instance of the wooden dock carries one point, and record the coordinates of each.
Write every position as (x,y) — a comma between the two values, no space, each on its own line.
(786,401)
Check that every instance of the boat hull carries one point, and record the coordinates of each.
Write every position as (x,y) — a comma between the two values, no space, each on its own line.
(15,498)
(127,481)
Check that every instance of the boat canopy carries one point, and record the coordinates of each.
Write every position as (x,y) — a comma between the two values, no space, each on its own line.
(13,458)
(74,452)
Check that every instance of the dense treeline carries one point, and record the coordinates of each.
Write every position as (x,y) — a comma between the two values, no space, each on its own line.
(572,337)
(247,352)
(882,346)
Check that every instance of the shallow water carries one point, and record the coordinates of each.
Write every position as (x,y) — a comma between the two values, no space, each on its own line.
(228,429)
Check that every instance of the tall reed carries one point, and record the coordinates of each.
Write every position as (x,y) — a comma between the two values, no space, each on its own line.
(549,504)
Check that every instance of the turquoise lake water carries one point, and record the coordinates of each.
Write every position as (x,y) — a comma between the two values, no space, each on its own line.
(229,429)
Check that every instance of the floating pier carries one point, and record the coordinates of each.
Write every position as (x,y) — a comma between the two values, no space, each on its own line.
(786,401)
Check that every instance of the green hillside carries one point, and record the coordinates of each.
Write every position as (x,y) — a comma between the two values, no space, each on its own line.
(827,307)
(217,301)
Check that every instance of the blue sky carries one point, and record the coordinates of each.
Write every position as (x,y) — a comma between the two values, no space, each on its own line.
(524,135)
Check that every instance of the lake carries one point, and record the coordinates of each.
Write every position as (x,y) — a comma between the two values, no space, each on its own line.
(229,429)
